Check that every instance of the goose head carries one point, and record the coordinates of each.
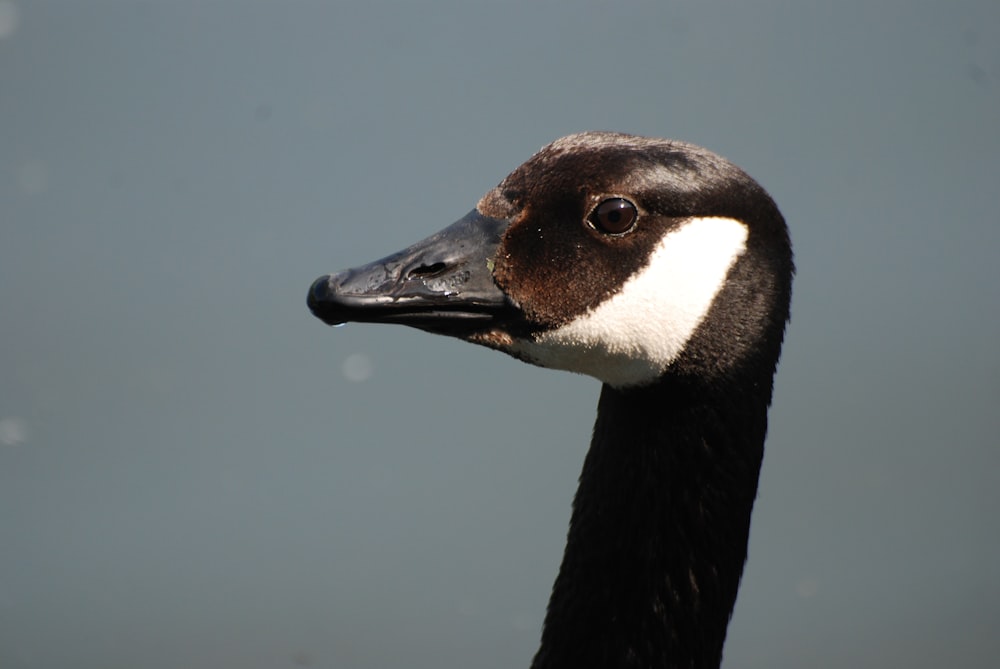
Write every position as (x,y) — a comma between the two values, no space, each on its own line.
(622,257)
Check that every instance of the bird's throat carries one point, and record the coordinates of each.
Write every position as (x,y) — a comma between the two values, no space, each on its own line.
(659,531)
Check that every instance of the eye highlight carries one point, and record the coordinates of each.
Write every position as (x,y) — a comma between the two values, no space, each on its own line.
(614,216)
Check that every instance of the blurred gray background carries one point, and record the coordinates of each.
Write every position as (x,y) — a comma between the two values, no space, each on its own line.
(194,472)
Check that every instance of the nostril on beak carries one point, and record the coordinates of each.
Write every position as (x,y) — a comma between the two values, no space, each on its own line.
(427,270)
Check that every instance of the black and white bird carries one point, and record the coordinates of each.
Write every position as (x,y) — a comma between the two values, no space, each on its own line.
(664,271)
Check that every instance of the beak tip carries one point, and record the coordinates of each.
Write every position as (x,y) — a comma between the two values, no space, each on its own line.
(319,297)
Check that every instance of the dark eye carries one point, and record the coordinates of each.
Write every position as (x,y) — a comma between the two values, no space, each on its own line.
(614,216)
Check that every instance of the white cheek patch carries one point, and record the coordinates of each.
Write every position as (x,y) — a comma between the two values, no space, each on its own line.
(632,337)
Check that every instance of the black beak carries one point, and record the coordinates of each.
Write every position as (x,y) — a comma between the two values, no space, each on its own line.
(443,284)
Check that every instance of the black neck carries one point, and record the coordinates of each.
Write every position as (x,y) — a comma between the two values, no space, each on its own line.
(659,531)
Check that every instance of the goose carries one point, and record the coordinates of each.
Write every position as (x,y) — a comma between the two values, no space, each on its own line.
(664,271)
